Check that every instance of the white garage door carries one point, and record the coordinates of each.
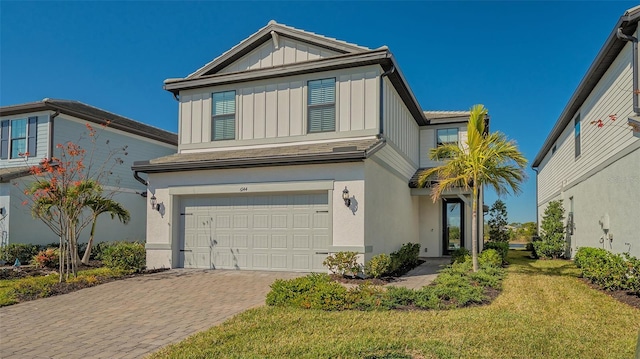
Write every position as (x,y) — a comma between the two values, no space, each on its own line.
(262,232)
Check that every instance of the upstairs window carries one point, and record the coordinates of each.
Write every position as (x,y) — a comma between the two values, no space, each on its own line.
(576,129)
(322,105)
(223,116)
(18,138)
(445,136)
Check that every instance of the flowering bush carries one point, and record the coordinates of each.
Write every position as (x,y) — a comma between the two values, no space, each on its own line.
(47,258)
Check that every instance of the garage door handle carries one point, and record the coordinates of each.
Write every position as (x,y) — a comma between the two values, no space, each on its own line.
(322,252)
(322,211)
(185,250)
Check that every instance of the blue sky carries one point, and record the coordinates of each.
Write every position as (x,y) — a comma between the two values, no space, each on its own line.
(522,60)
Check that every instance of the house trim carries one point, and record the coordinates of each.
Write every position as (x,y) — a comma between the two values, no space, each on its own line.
(611,160)
(257,187)
(606,56)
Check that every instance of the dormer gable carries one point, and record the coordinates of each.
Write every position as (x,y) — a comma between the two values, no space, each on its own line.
(276,45)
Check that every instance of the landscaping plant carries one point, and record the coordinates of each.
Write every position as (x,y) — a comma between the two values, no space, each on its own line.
(610,271)
(47,258)
(498,222)
(501,247)
(552,243)
(378,266)
(126,256)
(21,251)
(343,263)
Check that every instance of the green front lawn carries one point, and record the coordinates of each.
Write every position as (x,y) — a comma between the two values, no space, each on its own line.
(545,311)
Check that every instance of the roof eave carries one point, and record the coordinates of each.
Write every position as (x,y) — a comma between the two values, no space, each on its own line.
(607,54)
(339,157)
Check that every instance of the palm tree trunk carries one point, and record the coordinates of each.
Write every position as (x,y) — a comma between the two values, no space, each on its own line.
(474,228)
(87,252)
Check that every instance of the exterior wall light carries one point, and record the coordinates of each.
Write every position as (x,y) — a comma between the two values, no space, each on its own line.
(345,197)
(154,203)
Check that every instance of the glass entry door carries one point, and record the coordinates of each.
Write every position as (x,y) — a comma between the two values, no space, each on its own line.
(452,225)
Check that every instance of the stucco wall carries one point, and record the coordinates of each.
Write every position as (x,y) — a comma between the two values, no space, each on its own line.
(613,191)
(391,216)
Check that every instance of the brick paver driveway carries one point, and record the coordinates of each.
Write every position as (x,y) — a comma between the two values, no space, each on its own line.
(130,318)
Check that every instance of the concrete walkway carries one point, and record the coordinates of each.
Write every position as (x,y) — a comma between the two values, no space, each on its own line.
(422,275)
(130,318)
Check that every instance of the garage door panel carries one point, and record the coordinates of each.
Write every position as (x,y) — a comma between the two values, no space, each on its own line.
(273,232)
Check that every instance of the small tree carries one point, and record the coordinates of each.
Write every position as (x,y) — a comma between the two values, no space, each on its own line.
(62,189)
(99,205)
(498,222)
(552,242)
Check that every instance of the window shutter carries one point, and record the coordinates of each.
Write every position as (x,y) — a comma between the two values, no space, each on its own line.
(33,132)
(4,139)
(321,105)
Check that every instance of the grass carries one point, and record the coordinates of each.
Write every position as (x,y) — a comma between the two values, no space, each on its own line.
(9,288)
(544,311)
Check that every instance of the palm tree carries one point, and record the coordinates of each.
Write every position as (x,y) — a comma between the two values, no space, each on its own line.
(487,159)
(98,206)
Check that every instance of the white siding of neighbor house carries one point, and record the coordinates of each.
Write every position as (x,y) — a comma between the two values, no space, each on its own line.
(611,192)
(392,214)
(399,125)
(25,229)
(267,55)
(42,140)
(68,128)
(163,234)
(428,141)
(599,146)
(270,111)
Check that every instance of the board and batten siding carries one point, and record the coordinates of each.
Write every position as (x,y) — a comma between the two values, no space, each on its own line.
(42,140)
(269,111)
(611,96)
(69,128)
(428,141)
(288,51)
(400,127)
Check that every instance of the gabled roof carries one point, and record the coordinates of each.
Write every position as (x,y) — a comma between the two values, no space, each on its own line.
(350,55)
(265,34)
(286,155)
(95,115)
(612,47)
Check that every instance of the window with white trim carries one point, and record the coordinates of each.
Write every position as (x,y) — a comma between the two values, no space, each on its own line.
(321,105)
(445,136)
(223,116)
(18,138)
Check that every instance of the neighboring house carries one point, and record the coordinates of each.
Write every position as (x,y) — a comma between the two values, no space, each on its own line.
(36,128)
(591,158)
(291,146)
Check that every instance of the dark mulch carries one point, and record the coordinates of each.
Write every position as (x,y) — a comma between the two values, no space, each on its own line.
(623,296)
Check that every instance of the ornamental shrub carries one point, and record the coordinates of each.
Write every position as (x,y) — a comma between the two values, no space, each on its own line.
(489,258)
(127,256)
(47,258)
(22,251)
(399,296)
(314,291)
(552,243)
(378,266)
(501,247)
(609,270)
(343,263)
(405,259)
(367,297)
(460,255)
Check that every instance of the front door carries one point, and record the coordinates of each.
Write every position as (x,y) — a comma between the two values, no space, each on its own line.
(452,224)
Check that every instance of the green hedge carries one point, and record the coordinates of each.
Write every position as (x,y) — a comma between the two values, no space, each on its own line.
(501,247)
(128,256)
(608,270)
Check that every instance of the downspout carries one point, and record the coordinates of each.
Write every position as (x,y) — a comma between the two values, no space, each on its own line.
(51,118)
(140,179)
(537,214)
(384,74)
(634,65)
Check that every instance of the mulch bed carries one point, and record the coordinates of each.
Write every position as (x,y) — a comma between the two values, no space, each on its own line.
(623,296)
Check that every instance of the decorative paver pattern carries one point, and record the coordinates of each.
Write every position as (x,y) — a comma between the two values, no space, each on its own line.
(130,318)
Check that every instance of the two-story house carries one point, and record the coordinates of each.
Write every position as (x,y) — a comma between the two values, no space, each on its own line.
(30,133)
(591,158)
(293,145)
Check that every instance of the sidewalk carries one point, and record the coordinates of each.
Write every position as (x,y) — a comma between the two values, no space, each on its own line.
(423,274)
